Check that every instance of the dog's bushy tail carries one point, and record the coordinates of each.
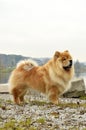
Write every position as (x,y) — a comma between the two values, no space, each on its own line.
(26,64)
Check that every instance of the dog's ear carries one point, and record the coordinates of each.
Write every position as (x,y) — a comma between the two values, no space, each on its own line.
(66,51)
(56,55)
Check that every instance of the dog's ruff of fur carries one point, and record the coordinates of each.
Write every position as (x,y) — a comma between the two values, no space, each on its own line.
(52,79)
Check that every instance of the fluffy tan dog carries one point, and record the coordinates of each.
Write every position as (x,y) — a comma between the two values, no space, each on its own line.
(52,79)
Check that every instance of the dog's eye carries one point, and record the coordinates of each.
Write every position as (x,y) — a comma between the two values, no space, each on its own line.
(31,64)
(64,58)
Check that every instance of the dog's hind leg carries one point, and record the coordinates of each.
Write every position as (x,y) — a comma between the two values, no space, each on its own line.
(15,94)
(21,97)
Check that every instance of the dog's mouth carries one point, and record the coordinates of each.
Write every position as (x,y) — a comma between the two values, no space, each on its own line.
(69,66)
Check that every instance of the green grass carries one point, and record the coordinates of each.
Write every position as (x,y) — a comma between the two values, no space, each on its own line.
(21,125)
(41,120)
(83,98)
(72,105)
(63,105)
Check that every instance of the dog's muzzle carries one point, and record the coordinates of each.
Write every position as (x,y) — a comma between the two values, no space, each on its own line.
(69,66)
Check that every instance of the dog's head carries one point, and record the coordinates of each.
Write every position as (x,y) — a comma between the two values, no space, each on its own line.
(63,60)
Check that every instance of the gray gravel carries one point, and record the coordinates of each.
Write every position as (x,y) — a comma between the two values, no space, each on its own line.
(61,117)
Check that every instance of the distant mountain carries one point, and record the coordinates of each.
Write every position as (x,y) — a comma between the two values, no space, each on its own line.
(11,60)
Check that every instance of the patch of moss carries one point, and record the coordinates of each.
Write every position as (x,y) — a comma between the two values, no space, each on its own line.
(83,98)
(14,125)
(63,105)
(72,105)
(10,124)
(39,103)
(25,123)
(9,101)
(41,120)
(32,128)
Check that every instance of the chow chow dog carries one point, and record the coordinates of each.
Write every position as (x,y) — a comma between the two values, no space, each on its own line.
(52,78)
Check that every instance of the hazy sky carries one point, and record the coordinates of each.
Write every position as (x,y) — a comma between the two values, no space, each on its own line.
(38,28)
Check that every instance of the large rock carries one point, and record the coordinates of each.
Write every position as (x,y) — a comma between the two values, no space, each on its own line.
(4,88)
(77,89)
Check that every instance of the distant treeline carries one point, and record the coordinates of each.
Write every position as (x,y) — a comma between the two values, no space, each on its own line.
(80,67)
(8,62)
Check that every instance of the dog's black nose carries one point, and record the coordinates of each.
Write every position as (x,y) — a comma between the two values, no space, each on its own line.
(71,62)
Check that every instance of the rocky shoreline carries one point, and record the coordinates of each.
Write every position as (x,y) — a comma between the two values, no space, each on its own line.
(39,114)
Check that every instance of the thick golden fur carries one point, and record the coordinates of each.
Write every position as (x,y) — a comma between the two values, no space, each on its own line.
(52,79)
